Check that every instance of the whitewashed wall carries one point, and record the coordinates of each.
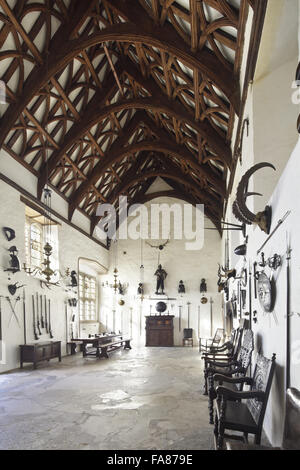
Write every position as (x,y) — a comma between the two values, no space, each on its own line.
(189,266)
(72,245)
(273,138)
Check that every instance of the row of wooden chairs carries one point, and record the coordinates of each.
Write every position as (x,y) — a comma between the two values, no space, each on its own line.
(231,407)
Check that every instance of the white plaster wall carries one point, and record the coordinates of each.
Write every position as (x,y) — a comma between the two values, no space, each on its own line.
(189,266)
(72,245)
(272,138)
(274,122)
(270,330)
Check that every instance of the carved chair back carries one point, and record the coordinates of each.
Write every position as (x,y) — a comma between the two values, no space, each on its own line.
(262,381)
(187,333)
(232,336)
(231,342)
(237,343)
(291,436)
(246,349)
(219,334)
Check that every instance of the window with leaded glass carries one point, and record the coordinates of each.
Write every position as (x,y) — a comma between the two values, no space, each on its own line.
(87,297)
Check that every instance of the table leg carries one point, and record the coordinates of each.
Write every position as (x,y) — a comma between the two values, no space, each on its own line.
(104,352)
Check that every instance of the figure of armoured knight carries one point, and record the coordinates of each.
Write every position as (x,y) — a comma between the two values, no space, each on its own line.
(140,289)
(203,287)
(14,260)
(161,275)
(181,288)
(73,279)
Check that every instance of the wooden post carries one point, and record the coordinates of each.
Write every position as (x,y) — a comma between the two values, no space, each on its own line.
(211,317)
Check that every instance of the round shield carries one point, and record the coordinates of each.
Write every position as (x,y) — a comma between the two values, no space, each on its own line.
(266,294)
(161,307)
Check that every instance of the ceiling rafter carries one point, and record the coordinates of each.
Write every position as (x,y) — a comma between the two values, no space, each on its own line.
(62,50)
(171,174)
(168,167)
(96,114)
(41,74)
(117,152)
(169,76)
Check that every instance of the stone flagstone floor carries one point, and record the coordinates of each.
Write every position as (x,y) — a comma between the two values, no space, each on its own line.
(147,398)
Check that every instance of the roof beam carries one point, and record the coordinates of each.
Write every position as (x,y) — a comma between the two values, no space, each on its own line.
(62,50)
(133,12)
(119,154)
(204,171)
(173,175)
(169,168)
(189,198)
(18,27)
(98,100)
(96,114)
(42,73)
(154,90)
(168,173)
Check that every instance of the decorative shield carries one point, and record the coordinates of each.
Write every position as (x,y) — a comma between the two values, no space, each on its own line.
(12,288)
(9,233)
(266,292)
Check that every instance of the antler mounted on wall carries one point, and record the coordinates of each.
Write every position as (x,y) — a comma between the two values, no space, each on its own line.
(239,208)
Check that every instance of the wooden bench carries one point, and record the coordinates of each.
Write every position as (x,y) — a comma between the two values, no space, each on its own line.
(102,350)
(73,344)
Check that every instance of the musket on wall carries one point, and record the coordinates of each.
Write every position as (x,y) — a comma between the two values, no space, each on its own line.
(35,333)
(38,315)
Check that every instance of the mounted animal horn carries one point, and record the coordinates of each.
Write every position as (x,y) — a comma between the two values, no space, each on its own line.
(240,209)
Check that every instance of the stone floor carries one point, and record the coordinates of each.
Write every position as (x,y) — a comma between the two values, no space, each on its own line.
(147,398)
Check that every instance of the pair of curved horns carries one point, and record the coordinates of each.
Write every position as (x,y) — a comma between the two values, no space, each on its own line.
(239,207)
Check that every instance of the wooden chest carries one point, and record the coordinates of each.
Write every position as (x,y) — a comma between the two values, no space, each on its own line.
(37,352)
(159,330)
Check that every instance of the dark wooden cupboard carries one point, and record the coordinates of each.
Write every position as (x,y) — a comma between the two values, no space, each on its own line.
(159,330)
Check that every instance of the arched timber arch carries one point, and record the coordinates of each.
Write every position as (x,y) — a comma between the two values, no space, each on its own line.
(81,127)
(159,146)
(64,51)
(163,174)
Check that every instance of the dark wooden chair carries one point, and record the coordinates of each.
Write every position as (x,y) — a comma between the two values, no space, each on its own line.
(205,344)
(224,357)
(225,348)
(187,337)
(291,434)
(243,411)
(237,368)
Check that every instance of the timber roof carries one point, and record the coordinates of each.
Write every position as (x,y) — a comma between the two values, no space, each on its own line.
(106,95)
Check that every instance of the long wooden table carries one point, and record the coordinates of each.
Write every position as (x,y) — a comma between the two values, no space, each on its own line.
(100,346)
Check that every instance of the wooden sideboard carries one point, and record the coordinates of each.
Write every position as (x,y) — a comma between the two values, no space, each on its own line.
(38,352)
(159,330)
